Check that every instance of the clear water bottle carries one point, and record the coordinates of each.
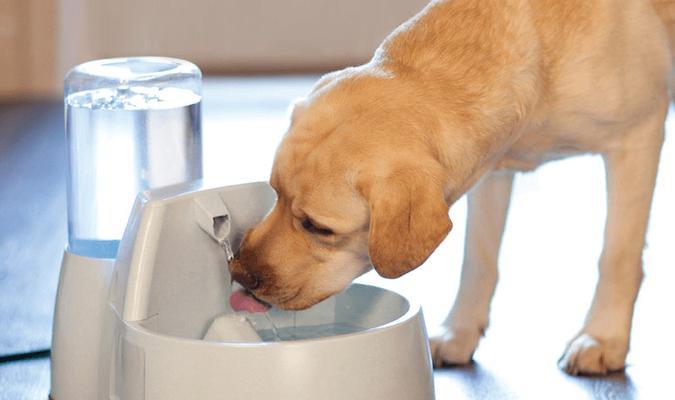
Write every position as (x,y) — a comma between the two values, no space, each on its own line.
(131,124)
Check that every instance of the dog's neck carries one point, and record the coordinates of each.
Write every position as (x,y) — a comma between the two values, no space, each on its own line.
(466,142)
(479,83)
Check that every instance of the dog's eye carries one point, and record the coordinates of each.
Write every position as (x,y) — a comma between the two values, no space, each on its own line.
(309,226)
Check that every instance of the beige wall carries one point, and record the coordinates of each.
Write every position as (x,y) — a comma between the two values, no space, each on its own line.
(218,35)
(243,35)
(28,64)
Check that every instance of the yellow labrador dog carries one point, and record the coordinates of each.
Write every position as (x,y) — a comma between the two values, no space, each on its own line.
(456,100)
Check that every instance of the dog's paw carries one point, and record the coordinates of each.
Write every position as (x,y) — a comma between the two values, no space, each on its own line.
(454,347)
(588,355)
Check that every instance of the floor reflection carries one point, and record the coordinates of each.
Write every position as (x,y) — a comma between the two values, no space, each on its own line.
(617,386)
(472,381)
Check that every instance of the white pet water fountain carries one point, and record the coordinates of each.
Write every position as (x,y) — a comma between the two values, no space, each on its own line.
(142,312)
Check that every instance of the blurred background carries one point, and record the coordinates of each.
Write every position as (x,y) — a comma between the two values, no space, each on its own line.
(257,56)
(41,39)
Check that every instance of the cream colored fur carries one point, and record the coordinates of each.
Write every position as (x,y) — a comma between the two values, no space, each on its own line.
(456,100)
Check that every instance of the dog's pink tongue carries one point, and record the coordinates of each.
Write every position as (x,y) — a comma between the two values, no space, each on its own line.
(243,301)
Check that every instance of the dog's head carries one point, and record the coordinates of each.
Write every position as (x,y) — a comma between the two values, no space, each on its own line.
(355,188)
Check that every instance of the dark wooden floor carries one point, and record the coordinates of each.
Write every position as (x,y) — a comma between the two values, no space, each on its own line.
(547,276)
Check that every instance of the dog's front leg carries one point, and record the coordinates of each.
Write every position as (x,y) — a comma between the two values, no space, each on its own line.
(488,203)
(602,344)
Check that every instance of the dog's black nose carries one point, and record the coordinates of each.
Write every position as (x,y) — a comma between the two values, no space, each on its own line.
(246,279)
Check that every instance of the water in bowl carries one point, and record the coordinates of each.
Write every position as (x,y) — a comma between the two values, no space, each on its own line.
(281,326)
(306,332)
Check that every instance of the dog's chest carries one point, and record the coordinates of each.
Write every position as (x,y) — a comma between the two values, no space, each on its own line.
(556,139)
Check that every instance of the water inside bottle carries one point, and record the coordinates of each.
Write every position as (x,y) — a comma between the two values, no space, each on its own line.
(123,141)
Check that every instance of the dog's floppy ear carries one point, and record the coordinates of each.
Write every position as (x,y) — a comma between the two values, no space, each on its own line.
(408,220)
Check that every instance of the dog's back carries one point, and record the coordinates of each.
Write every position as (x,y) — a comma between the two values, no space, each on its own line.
(666,11)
